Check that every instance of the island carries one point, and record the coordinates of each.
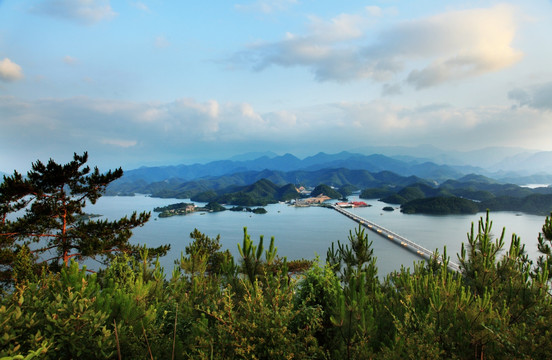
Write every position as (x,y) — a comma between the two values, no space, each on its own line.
(441,206)
(86,216)
(175,209)
(188,208)
(258,210)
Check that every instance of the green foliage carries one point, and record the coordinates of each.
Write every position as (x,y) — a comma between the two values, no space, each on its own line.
(207,250)
(473,194)
(540,204)
(177,206)
(545,247)
(258,210)
(347,190)
(252,264)
(260,193)
(214,206)
(484,312)
(53,197)
(24,267)
(324,189)
(440,206)
(354,313)
(287,192)
(208,188)
(263,324)
(409,193)
(394,199)
(59,314)
(459,196)
(497,307)
(375,193)
(205,196)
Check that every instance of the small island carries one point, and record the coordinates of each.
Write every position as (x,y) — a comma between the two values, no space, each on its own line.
(87,216)
(175,209)
(258,210)
(188,208)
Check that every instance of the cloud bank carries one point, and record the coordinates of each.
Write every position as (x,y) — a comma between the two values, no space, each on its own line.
(122,132)
(447,47)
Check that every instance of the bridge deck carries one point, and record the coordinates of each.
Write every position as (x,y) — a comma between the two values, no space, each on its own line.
(395,238)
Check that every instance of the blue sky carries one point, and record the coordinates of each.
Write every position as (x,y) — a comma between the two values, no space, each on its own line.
(166,82)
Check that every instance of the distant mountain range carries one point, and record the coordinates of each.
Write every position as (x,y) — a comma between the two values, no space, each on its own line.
(179,188)
(288,163)
(431,166)
(493,159)
(416,183)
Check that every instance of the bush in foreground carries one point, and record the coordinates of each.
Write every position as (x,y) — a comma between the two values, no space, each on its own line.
(216,307)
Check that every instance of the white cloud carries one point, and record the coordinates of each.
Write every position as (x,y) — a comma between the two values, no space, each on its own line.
(340,28)
(464,43)
(166,130)
(266,6)
(10,71)
(81,11)
(433,50)
(119,142)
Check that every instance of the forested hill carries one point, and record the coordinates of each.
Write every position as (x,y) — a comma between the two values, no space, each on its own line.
(469,194)
(178,188)
(260,193)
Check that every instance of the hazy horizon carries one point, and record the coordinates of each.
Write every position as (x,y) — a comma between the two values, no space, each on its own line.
(159,83)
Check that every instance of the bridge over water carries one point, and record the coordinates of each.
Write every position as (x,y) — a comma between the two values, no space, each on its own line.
(394,238)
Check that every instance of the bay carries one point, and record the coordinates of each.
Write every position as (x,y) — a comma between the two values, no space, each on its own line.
(308,232)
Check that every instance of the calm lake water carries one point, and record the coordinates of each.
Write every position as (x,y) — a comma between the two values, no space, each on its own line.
(307,232)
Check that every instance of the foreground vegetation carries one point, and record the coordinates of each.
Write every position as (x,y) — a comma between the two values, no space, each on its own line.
(213,306)
(255,306)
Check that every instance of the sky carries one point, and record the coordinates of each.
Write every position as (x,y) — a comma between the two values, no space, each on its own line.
(159,82)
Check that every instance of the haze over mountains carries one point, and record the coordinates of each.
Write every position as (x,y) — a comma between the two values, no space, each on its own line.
(513,165)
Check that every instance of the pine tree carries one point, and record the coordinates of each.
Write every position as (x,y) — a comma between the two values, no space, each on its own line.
(53,197)
(13,198)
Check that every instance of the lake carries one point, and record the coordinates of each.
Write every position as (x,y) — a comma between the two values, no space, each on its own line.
(307,232)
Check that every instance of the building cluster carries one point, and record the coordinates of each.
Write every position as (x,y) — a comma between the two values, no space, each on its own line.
(352,204)
(312,200)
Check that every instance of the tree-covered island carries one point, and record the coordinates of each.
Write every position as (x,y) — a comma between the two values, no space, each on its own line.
(175,209)
(258,210)
(468,195)
(188,208)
